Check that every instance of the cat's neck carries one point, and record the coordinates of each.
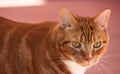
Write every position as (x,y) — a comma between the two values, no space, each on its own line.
(75,68)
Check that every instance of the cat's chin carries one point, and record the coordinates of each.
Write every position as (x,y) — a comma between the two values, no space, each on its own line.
(88,64)
(78,67)
(75,68)
(85,64)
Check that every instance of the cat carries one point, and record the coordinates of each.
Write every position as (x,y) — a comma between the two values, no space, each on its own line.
(68,46)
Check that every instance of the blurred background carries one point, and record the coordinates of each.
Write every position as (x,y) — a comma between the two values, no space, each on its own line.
(35,11)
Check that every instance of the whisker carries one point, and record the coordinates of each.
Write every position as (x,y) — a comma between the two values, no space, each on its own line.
(109,63)
(106,58)
(97,66)
(105,68)
(105,62)
(108,55)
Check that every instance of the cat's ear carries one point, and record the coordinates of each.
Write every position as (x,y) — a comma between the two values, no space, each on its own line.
(66,18)
(103,18)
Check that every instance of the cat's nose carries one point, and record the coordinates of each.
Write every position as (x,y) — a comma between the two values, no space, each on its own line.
(88,59)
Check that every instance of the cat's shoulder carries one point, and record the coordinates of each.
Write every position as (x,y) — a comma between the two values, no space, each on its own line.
(48,23)
(5,21)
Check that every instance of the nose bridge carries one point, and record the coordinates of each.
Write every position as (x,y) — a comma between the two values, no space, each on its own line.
(88,54)
(87,48)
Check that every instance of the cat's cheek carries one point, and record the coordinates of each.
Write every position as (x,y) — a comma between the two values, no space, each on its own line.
(100,52)
(95,61)
(92,63)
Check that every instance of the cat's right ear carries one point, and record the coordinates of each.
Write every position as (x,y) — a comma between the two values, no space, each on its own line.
(103,18)
(67,20)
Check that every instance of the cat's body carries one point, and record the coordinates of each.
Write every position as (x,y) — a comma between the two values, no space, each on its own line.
(18,46)
(42,48)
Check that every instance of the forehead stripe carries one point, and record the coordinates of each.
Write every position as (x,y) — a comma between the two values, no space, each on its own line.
(87,34)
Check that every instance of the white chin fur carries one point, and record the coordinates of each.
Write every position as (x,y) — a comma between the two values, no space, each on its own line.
(74,67)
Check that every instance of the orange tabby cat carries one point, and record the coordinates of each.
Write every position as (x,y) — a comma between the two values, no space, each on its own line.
(66,47)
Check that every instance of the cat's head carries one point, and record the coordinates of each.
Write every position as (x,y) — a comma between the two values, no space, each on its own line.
(83,39)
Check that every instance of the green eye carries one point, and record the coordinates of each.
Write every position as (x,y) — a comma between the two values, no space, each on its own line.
(97,44)
(76,44)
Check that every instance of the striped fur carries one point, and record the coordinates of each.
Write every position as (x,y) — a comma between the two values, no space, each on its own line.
(44,48)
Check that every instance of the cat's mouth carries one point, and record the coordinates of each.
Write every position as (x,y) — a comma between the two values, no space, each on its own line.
(86,63)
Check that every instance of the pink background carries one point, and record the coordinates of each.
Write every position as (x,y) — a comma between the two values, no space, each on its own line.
(50,10)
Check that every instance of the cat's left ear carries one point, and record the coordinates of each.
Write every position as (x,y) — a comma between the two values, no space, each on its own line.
(66,18)
(103,18)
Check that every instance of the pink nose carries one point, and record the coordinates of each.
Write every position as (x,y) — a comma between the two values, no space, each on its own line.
(88,58)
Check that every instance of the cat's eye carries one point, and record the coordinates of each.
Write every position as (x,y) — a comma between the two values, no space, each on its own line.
(75,44)
(97,44)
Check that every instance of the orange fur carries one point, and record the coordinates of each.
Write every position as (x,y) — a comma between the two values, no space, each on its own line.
(42,48)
